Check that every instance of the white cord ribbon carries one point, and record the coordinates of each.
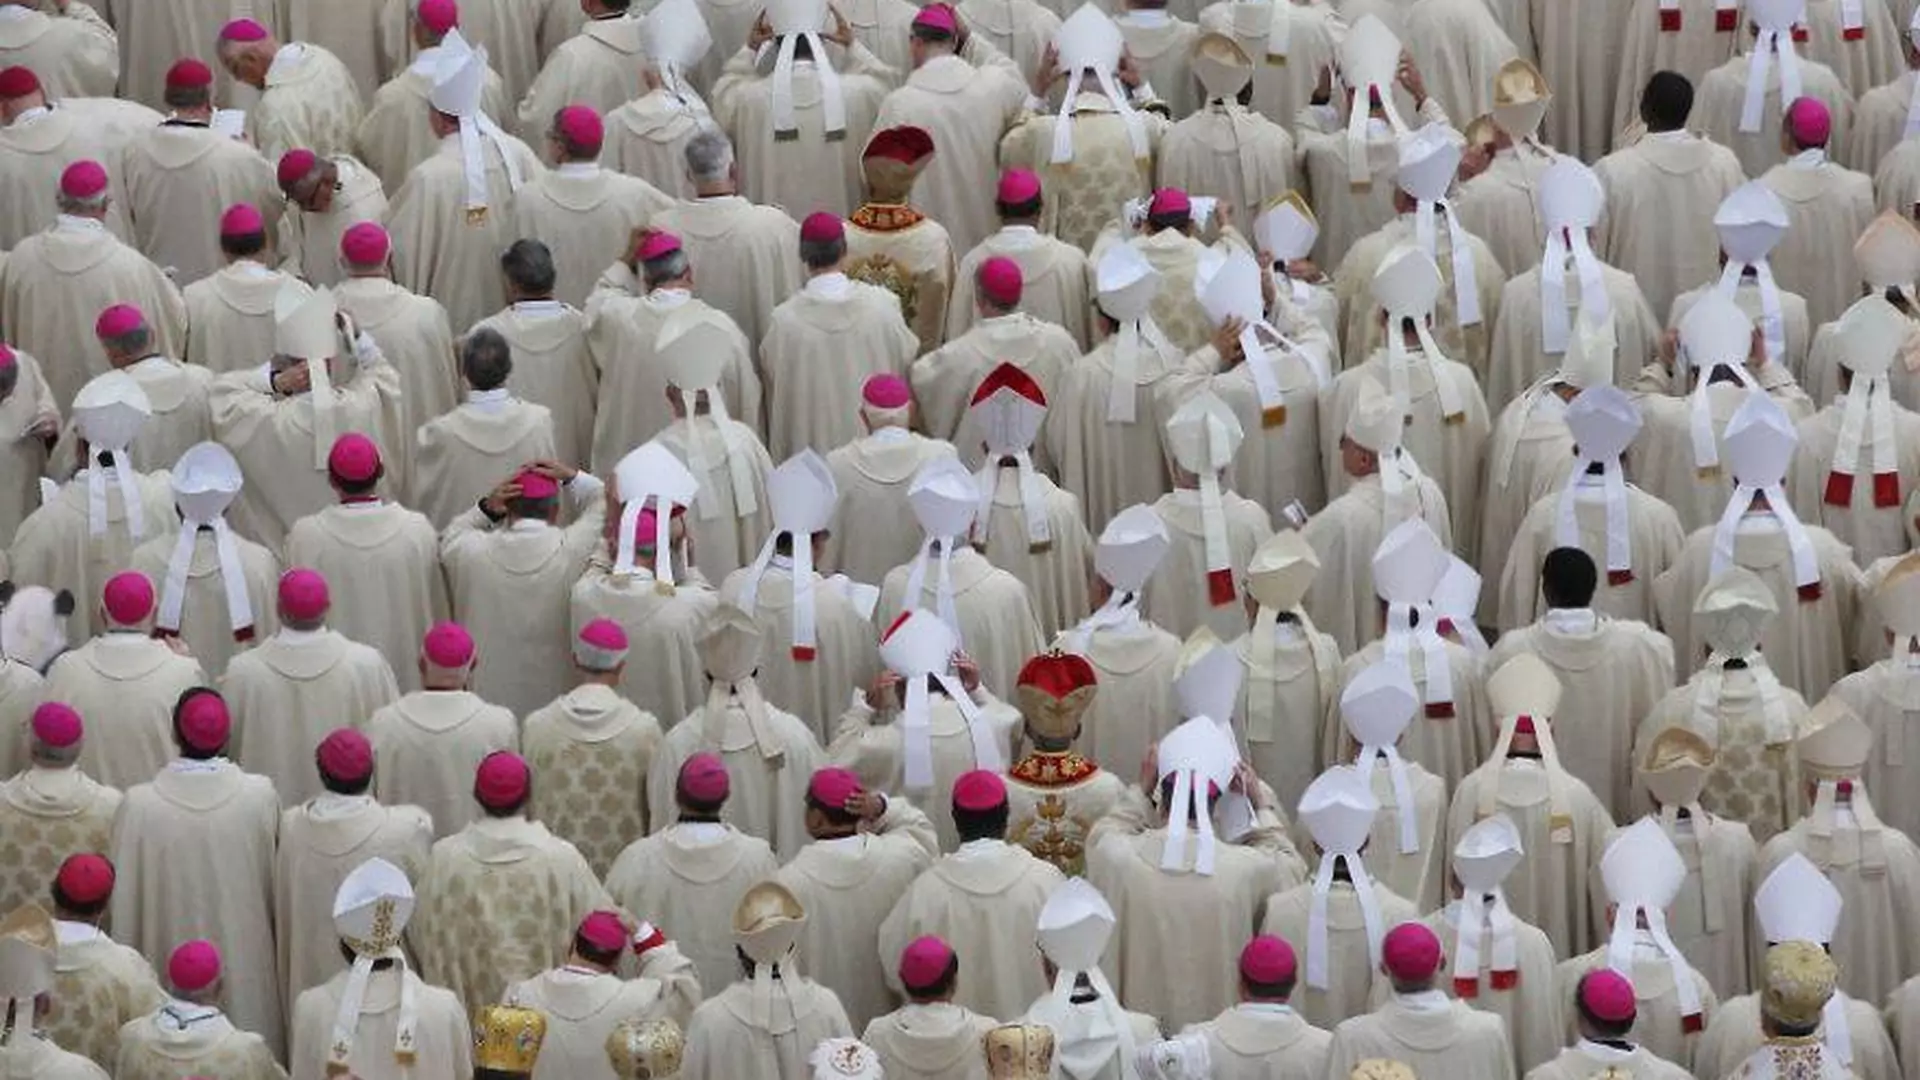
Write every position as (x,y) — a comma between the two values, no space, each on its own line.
(1405,810)
(233,578)
(1614,496)
(1556,320)
(1318,961)
(1063,124)
(1806,561)
(1466,291)
(1753,108)
(120,463)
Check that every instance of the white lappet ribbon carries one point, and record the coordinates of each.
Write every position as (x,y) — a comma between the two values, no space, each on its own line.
(1822,825)
(1833,1025)
(474,161)
(121,465)
(1866,415)
(1121,610)
(1075,1029)
(1711,913)
(1773,319)
(1613,484)
(1806,561)
(833,101)
(1466,291)
(1405,810)
(233,577)
(943,583)
(1403,636)
(1482,916)
(346,1022)
(1188,811)
(1033,501)
(624,561)
(1359,111)
(916,731)
(1400,361)
(1625,936)
(805,628)
(1706,449)
(1266,381)
(1556,319)
(1318,961)
(1765,46)
(1134,335)
(752,705)
(1063,124)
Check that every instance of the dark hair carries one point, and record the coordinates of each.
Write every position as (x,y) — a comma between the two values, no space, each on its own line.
(939,987)
(187,97)
(669,267)
(1568,578)
(1794,1031)
(573,150)
(1606,1029)
(1666,102)
(63,902)
(179,707)
(359,487)
(522,507)
(835,815)
(1270,991)
(605,958)
(820,254)
(1027,209)
(242,245)
(339,786)
(347,954)
(486,359)
(504,811)
(1180,220)
(697,807)
(132,343)
(990,824)
(931,35)
(528,264)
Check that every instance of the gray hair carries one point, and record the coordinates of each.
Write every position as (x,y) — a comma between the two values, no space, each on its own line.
(669,267)
(135,342)
(528,264)
(92,204)
(709,156)
(485,359)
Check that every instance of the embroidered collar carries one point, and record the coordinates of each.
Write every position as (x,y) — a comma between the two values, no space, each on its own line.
(1053,770)
(886,217)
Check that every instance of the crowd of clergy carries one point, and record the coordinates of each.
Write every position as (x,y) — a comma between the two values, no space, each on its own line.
(997,540)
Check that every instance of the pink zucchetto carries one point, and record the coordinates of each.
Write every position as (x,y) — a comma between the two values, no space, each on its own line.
(438,16)
(924,962)
(1169,201)
(537,485)
(1267,960)
(704,779)
(194,966)
(657,244)
(600,646)
(295,165)
(833,786)
(937,17)
(188,73)
(581,126)
(1000,280)
(979,791)
(128,598)
(604,931)
(354,459)
(7,359)
(119,321)
(886,391)
(821,227)
(1410,952)
(83,180)
(85,878)
(242,219)
(346,755)
(448,645)
(18,82)
(365,244)
(204,722)
(502,780)
(303,594)
(1607,996)
(57,724)
(1017,186)
(1809,122)
(244,30)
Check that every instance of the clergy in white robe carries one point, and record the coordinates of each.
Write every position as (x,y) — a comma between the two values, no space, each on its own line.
(308,98)
(1081,1012)
(298,684)
(828,638)
(1879,696)
(412,331)
(1161,44)
(1880,116)
(322,841)
(378,1019)
(731,512)
(799,133)
(1460,50)
(691,873)
(931,1036)
(72,50)
(1225,150)
(180,176)
(662,623)
(590,750)
(1886,257)
(768,1022)
(1869,863)
(1688,38)
(647,136)
(201,820)
(1307,36)
(966,109)
(230,312)
(599,68)
(51,808)
(453,214)
(984,893)
(216,588)
(1725,92)
(872,474)
(630,306)
(1261,1036)
(190,1030)
(1439,1038)
(744,250)
(1384,487)
(28,409)
(849,887)
(1614,671)
(770,754)
(1605,1012)
(394,135)
(56,282)
(99,983)
(587,997)
(1055,275)
(1502,203)
(1828,205)
(583,213)
(429,741)
(1214,531)
(460,455)
(42,139)
(551,363)
(129,683)
(325,200)
(501,870)
(1661,194)
(1801,981)
(1561,822)
(380,559)
(176,392)
(945,380)
(1900,1019)
(831,334)
(1291,668)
